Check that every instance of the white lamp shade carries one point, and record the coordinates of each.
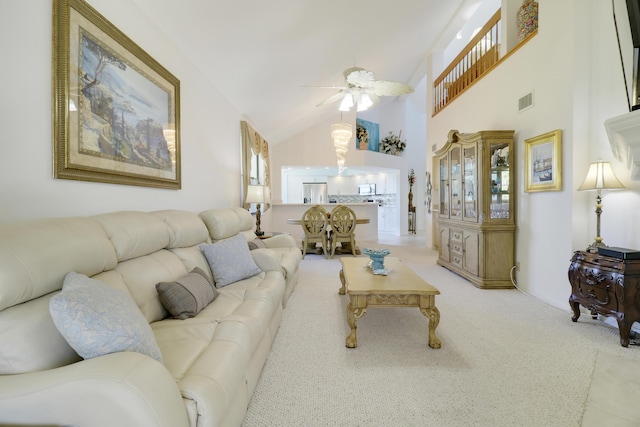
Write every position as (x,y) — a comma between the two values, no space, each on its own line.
(365,102)
(600,176)
(256,194)
(347,102)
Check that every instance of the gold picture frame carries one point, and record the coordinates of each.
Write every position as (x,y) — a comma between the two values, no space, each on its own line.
(543,162)
(116,111)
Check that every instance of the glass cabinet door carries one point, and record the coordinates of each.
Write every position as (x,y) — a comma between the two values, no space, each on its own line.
(500,184)
(444,187)
(456,183)
(470,188)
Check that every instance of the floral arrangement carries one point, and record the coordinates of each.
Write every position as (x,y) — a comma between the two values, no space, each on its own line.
(392,144)
(412,178)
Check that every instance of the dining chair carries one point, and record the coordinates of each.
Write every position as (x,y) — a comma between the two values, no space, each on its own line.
(314,227)
(343,226)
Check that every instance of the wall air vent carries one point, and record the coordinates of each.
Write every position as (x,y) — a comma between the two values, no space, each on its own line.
(525,102)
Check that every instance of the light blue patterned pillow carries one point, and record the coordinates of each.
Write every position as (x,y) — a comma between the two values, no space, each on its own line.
(97,319)
(230,260)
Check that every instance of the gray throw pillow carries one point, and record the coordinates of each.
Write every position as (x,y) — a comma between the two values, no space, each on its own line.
(188,295)
(230,260)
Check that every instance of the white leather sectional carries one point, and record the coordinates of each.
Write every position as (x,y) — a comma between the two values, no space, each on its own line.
(210,363)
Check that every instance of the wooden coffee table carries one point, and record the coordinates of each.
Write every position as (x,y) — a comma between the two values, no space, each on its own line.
(400,288)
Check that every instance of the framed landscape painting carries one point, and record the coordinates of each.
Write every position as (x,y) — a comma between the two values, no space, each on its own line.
(543,162)
(115,109)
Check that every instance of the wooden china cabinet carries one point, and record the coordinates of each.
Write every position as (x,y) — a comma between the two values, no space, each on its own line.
(476,217)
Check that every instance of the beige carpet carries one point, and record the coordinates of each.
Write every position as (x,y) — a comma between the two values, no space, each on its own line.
(507,359)
(615,393)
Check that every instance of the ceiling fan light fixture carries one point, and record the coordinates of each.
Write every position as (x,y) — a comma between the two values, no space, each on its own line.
(363,90)
(347,102)
(365,102)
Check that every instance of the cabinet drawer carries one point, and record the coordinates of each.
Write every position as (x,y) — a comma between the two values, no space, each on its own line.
(456,235)
(456,248)
(456,260)
(596,288)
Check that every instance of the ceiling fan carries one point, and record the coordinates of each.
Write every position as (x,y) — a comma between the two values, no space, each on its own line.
(363,90)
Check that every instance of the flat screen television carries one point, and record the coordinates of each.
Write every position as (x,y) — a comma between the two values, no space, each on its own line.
(633,10)
(367,189)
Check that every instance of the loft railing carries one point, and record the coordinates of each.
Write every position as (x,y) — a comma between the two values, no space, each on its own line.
(475,60)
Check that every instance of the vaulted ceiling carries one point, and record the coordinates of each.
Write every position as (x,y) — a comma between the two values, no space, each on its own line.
(266,56)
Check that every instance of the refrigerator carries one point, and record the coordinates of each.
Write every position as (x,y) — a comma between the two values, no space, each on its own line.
(314,192)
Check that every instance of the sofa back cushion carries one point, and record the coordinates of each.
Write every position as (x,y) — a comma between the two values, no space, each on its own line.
(134,234)
(36,255)
(186,229)
(225,223)
(221,223)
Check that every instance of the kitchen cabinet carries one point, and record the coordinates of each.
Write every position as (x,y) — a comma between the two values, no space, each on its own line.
(387,183)
(476,221)
(388,219)
(339,185)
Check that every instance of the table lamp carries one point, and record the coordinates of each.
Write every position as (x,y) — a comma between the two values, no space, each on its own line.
(257,194)
(599,177)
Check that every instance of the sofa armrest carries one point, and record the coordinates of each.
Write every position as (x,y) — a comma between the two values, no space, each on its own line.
(280,241)
(266,260)
(118,389)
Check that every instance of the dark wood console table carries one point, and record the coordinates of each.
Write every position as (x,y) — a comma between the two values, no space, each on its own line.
(607,286)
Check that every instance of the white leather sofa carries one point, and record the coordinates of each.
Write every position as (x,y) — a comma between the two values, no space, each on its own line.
(210,363)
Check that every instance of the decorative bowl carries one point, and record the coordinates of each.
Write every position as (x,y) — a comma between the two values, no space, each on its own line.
(377,258)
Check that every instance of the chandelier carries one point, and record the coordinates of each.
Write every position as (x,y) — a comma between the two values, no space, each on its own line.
(341,134)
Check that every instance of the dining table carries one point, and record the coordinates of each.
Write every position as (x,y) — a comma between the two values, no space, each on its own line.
(345,248)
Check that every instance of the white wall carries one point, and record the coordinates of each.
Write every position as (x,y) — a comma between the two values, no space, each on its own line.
(210,125)
(571,66)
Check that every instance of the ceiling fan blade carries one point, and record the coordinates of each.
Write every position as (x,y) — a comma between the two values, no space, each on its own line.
(385,88)
(361,79)
(325,87)
(333,98)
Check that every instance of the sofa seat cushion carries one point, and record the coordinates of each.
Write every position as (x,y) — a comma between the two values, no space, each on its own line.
(97,319)
(271,284)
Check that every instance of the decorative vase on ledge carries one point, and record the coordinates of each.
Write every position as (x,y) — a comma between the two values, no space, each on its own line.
(527,18)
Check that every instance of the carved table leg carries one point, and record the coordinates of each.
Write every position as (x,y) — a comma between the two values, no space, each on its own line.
(433,314)
(342,289)
(625,331)
(575,306)
(353,313)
